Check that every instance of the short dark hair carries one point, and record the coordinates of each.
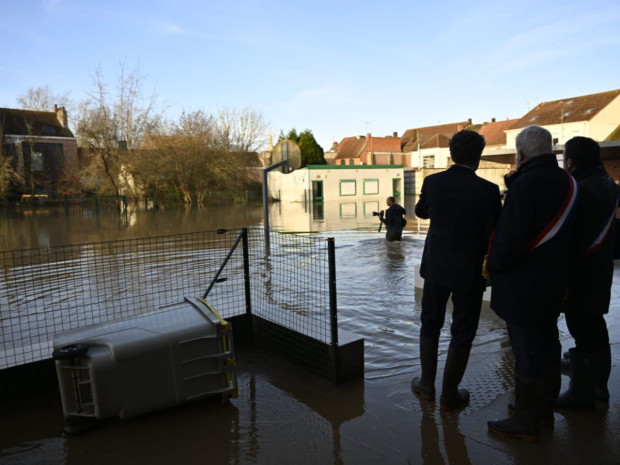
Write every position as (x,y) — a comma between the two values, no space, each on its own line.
(466,146)
(584,152)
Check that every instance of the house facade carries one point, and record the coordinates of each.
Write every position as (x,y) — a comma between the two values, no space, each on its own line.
(41,147)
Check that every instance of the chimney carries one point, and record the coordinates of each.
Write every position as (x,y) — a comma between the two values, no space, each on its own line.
(395,134)
(61,114)
(469,122)
(492,120)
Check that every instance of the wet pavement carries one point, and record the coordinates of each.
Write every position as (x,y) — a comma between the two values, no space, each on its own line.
(287,415)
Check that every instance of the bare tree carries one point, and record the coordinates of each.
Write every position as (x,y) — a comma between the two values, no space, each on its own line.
(189,159)
(111,124)
(241,130)
(42,98)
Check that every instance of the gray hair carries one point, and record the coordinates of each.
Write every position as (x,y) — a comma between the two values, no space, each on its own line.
(534,141)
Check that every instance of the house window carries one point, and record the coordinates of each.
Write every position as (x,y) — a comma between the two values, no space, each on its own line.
(347,187)
(555,141)
(371,187)
(351,161)
(37,162)
(428,161)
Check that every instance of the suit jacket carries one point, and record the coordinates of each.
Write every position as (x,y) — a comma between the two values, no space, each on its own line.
(591,273)
(528,284)
(463,209)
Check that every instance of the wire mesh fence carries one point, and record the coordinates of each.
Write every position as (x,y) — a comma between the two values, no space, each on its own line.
(52,290)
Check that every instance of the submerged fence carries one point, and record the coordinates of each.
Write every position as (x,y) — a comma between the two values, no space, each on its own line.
(52,290)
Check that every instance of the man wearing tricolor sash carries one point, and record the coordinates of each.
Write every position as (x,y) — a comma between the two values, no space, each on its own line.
(528,261)
(589,286)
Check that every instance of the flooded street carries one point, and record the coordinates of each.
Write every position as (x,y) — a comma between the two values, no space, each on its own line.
(287,415)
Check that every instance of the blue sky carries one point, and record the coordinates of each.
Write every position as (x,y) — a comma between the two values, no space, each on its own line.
(338,68)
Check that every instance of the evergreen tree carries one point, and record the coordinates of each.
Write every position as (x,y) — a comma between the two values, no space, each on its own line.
(311,152)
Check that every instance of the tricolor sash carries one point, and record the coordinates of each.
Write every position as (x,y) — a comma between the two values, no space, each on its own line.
(602,234)
(559,220)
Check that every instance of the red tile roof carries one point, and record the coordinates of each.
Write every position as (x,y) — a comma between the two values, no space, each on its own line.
(494,132)
(384,144)
(429,135)
(567,110)
(350,147)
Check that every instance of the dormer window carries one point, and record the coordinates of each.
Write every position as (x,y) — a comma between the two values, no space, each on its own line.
(568,102)
(589,111)
(533,118)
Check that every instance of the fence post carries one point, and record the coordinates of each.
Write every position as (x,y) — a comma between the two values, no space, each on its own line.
(246,277)
(333,308)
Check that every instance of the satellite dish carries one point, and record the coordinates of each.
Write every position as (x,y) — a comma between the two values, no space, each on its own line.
(287,150)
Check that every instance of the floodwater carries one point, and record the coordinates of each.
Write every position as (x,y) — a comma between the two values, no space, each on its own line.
(286,415)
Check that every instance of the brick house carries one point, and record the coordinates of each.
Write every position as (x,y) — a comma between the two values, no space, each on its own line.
(366,150)
(42,148)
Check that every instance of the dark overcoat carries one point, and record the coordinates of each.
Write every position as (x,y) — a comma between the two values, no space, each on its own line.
(528,284)
(463,209)
(589,288)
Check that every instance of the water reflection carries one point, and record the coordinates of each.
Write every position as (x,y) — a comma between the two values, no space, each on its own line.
(337,215)
(27,228)
(282,415)
(451,438)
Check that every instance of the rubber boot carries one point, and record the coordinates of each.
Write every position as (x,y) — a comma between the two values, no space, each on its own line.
(552,384)
(580,393)
(601,362)
(524,423)
(425,385)
(451,396)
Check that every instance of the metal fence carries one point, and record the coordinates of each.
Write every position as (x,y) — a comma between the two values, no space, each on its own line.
(52,290)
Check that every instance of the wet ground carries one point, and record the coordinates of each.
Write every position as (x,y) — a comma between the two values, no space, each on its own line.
(284,414)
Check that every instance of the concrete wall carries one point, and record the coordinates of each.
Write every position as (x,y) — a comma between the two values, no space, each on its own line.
(339,182)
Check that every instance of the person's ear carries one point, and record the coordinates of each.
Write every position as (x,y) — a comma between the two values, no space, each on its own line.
(518,158)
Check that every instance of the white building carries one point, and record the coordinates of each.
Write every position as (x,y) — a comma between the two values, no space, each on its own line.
(337,182)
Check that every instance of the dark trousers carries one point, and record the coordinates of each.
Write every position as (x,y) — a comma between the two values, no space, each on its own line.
(589,331)
(465,312)
(394,234)
(535,347)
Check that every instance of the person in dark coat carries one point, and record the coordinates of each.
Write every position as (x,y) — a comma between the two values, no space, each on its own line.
(528,262)
(463,209)
(591,273)
(394,220)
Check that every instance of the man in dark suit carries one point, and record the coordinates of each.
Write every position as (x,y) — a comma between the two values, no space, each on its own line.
(591,274)
(528,261)
(463,209)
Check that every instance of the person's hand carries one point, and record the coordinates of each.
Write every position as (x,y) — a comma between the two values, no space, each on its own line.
(381,214)
(485,272)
